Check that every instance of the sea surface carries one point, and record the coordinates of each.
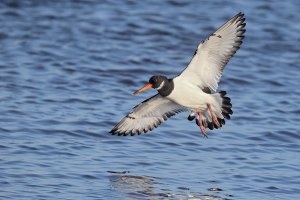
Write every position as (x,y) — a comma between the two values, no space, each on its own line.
(67,73)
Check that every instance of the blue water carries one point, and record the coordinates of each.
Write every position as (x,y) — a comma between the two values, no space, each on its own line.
(67,71)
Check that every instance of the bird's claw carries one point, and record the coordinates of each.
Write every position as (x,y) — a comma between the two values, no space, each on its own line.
(202,127)
(213,116)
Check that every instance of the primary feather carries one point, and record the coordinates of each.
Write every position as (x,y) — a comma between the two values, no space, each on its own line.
(212,54)
(147,115)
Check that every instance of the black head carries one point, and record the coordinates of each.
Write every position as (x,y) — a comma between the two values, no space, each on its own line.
(162,84)
(157,81)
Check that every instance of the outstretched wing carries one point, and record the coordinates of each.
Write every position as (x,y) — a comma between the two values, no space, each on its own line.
(212,54)
(147,115)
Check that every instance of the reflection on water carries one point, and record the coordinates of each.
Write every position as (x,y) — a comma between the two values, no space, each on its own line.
(144,187)
(135,186)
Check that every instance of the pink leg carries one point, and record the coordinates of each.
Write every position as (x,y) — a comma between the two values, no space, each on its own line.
(202,127)
(213,116)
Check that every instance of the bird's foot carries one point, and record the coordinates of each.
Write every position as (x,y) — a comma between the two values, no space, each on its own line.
(202,127)
(213,116)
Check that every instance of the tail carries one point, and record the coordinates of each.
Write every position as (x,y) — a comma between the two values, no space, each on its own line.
(226,105)
(221,108)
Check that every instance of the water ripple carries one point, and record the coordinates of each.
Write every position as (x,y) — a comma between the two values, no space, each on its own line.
(68,70)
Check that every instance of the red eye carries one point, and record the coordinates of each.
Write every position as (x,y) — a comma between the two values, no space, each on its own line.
(155,80)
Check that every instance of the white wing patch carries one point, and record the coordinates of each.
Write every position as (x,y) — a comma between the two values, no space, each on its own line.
(147,115)
(211,56)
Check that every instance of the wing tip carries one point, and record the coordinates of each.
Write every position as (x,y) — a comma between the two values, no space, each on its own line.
(116,131)
(240,18)
(113,131)
(240,15)
(239,21)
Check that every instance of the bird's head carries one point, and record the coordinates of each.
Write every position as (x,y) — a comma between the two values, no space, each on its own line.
(156,82)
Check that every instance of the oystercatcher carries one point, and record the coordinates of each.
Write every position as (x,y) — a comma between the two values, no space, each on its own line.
(194,89)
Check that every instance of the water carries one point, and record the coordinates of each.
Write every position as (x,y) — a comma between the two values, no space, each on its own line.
(67,71)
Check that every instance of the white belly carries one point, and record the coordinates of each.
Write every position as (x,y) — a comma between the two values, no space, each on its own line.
(190,96)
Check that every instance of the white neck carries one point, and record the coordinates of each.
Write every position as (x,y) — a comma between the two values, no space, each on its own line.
(161,85)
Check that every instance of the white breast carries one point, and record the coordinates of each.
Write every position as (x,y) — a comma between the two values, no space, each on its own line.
(189,95)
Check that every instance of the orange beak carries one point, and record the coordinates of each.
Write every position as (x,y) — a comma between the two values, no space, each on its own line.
(146,87)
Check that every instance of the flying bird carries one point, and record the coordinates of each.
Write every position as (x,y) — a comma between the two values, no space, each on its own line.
(194,89)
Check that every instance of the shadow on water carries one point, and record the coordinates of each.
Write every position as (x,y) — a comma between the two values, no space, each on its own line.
(146,187)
